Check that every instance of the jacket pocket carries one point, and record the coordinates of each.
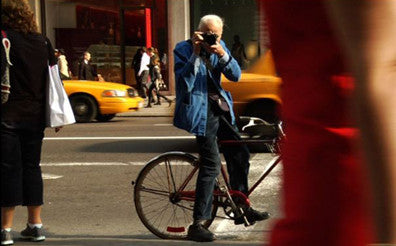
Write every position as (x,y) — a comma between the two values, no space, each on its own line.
(182,116)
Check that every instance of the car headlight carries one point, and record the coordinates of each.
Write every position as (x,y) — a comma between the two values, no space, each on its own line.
(114,93)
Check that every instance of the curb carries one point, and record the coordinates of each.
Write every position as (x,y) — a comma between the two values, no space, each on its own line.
(162,110)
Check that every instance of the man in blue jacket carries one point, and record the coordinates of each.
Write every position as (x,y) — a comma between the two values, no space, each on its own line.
(204,108)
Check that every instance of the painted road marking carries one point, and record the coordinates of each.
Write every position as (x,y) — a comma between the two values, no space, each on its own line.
(70,164)
(121,138)
(51,176)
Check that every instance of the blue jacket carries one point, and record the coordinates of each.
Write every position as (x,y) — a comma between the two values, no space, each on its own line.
(191,86)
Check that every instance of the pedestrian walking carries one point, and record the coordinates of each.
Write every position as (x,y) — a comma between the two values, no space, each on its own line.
(64,70)
(136,61)
(144,71)
(156,79)
(86,71)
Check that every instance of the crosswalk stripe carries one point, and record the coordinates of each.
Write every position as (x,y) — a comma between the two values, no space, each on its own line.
(51,176)
(69,164)
(119,138)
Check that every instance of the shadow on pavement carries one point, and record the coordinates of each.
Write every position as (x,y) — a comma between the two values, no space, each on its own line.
(144,146)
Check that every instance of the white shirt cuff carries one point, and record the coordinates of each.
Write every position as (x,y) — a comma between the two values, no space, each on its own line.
(224,59)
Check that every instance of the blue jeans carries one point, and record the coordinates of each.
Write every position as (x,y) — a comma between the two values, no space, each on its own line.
(237,159)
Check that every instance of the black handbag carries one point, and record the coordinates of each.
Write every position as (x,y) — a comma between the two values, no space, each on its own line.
(160,85)
(219,101)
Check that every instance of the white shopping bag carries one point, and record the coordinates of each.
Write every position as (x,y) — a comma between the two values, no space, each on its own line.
(59,111)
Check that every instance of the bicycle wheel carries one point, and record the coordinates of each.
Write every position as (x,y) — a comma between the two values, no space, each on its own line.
(156,199)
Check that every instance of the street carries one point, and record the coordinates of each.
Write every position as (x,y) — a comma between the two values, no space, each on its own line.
(88,169)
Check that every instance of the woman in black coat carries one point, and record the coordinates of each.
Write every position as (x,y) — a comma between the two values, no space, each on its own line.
(23,119)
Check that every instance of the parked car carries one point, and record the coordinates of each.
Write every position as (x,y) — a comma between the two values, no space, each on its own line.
(100,100)
(258,92)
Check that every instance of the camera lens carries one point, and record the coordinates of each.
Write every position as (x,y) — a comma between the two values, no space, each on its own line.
(210,38)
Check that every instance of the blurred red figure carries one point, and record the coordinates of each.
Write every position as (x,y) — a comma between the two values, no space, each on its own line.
(325,194)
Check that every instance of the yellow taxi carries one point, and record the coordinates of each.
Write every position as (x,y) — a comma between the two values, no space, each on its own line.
(100,100)
(258,92)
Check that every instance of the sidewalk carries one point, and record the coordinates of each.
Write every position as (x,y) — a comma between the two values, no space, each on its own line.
(162,110)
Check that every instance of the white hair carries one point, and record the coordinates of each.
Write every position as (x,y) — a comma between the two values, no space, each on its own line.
(205,20)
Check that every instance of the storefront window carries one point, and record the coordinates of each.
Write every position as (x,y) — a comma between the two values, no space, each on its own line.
(110,30)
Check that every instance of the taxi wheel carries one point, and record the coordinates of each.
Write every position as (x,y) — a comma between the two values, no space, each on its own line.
(84,108)
(104,117)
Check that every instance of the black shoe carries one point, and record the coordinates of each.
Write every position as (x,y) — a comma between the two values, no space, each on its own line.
(148,106)
(6,238)
(197,232)
(34,234)
(157,103)
(252,216)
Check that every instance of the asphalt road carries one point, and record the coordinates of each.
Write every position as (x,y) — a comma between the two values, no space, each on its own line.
(88,169)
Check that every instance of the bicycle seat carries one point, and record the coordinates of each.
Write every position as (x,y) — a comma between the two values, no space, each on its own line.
(258,128)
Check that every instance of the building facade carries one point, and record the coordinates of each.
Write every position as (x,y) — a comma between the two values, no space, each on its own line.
(112,30)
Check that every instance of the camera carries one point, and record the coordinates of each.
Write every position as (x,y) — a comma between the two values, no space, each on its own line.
(210,38)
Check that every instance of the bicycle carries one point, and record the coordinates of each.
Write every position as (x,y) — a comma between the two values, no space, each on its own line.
(164,191)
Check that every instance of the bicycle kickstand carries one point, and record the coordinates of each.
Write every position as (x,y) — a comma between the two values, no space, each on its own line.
(235,208)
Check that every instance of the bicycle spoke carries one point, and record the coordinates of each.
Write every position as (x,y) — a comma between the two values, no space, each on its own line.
(153,205)
(169,167)
(157,192)
(161,208)
(157,178)
(160,216)
(186,215)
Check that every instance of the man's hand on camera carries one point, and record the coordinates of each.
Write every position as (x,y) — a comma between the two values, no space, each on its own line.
(197,41)
(217,49)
